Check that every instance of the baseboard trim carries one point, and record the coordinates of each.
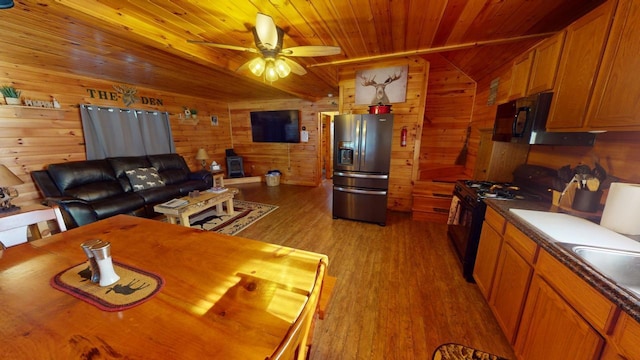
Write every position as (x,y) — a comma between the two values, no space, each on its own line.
(242,180)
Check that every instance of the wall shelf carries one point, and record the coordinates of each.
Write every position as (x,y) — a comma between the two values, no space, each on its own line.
(32,112)
(29,107)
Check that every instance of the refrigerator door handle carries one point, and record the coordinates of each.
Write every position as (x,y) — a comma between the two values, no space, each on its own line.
(361,191)
(360,176)
(357,141)
(363,147)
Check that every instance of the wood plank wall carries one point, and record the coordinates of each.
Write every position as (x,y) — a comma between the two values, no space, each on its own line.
(404,163)
(448,110)
(300,164)
(619,152)
(483,115)
(31,138)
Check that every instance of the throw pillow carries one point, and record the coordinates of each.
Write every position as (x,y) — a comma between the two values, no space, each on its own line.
(144,178)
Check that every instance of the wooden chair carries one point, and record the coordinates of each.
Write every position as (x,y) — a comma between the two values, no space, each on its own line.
(294,346)
(14,227)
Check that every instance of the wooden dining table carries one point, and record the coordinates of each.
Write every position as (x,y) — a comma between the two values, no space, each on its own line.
(223,297)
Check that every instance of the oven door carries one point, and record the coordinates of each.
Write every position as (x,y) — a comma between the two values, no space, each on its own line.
(465,225)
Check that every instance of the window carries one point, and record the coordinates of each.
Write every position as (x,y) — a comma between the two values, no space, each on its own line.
(111,132)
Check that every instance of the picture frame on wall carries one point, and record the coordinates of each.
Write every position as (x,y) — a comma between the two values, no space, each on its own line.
(214,120)
(381,86)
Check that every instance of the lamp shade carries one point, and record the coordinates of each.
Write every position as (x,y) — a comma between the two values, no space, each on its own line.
(7,178)
(202,154)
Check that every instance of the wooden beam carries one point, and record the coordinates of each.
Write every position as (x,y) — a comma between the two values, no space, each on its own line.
(431,50)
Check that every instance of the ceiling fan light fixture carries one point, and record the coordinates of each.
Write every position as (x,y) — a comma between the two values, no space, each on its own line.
(282,68)
(270,72)
(257,66)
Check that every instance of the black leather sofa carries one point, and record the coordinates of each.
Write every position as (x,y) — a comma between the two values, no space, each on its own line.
(92,190)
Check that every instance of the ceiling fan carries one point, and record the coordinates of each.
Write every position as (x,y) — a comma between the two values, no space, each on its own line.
(273,62)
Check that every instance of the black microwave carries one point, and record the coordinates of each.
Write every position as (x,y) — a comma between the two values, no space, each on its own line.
(523,121)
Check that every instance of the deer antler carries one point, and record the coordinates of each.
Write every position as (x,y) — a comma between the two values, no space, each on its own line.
(128,93)
(393,78)
(369,82)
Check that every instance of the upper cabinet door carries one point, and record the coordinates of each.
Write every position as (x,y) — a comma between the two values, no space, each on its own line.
(520,76)
(545,64)
(581,55)
(616,97)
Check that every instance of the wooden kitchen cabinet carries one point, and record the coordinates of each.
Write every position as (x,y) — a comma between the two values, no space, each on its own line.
(546,57)
(579,62)
(615,105)
(564,317)
(625,339)
(552,329)
(520,76)
(546,310)
(512,278)
(488,251)
(588,302)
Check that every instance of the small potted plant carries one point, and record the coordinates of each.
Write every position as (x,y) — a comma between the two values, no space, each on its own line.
(194,113)
(11,95)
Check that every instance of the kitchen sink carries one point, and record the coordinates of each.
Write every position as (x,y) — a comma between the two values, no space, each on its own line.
(620,266)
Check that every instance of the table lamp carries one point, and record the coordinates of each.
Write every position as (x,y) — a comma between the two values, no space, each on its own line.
(202,156)
(7,179)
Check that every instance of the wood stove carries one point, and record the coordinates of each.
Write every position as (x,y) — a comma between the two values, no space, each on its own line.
(235,168)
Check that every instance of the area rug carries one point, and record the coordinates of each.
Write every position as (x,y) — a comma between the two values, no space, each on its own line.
(245,214)
(460,352)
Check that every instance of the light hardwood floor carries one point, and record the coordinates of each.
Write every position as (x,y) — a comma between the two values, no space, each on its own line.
(399,293)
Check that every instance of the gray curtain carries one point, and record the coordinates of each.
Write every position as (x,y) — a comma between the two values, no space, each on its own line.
(110,132)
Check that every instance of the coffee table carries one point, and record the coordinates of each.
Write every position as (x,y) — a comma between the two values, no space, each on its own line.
(206,200)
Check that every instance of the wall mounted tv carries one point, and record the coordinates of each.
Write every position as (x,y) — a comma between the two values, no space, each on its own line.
(282,126)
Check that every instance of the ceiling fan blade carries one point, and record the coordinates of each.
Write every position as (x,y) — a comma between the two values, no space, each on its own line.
(313,50)
(267,31)
(223,46)
(295,67)
(244,67)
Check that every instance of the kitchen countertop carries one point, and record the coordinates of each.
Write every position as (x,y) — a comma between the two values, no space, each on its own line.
(616,294)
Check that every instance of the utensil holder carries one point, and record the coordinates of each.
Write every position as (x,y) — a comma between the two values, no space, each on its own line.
(585,200)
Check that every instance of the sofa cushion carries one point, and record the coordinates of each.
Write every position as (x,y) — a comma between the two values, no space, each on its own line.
(144,178)
(124,203)
(95,191)
(87,180)
(171,167)
(121,164)
(159,195)
(190,185)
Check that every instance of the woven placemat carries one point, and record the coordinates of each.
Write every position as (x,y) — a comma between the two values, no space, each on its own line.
(134,287)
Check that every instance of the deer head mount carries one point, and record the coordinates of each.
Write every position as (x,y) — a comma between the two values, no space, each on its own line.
(380,95)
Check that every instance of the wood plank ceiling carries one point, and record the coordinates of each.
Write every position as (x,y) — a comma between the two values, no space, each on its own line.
(144,43)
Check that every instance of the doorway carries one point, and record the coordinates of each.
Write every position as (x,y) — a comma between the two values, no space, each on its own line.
(326,143)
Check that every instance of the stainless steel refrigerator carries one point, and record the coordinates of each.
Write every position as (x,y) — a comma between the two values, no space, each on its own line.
(362,155)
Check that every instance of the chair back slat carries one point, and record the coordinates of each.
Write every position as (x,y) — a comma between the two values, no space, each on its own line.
(13,226)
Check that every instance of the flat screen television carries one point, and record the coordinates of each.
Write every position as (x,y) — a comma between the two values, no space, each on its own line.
(281,126)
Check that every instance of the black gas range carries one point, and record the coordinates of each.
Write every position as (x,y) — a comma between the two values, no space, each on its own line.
(467,214)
